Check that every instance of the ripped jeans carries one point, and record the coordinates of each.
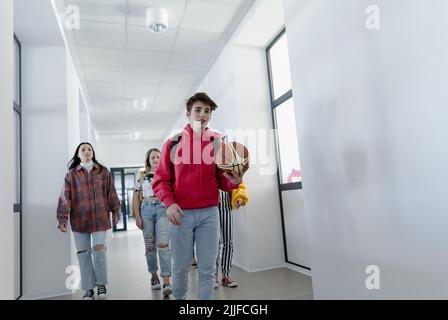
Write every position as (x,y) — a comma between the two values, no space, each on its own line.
(156,233)
(92,272)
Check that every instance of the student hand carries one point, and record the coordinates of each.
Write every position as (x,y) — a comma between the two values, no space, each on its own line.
(174,214)
(234,177)
(239,203)
(139,222)
(115,219)
(63,227)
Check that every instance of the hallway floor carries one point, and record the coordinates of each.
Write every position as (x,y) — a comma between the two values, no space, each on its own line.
(129,279)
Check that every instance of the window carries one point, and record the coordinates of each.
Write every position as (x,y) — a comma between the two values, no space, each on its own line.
(17,206)
(282,103)
(17,107)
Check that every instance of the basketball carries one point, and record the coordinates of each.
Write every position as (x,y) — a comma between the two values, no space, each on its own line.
(233,156)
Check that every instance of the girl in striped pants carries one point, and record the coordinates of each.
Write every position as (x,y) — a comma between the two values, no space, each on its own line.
(228,201)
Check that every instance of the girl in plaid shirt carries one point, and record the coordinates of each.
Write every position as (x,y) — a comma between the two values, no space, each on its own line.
(87,198)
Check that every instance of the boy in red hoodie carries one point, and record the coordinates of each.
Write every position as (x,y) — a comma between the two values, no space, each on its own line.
(188,186)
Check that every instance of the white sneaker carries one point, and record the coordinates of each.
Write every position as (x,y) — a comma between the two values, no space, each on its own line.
(216,284)
(229,282)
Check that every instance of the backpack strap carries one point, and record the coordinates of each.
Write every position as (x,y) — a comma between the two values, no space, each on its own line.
(174,142)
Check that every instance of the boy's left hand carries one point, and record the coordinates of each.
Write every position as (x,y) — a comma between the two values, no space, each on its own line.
(234,177)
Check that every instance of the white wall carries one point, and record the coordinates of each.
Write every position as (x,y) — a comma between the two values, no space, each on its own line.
(124,154)
(84,121)
(45,155)
(73,106)
(259,225)
(372,127)
(7,142)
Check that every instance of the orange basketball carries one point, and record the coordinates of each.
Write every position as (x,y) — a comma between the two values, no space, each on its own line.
(233,156)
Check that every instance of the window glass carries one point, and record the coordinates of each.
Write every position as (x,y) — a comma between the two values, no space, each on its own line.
(287,142)
(280,70)
(17,158)
(16,73)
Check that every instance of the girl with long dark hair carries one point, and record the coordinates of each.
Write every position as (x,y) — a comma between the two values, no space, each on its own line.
(87,198)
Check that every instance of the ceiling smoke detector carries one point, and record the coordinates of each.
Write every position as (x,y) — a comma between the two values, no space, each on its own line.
(157,19)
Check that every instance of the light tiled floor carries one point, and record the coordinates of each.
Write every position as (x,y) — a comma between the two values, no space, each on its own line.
(129,279)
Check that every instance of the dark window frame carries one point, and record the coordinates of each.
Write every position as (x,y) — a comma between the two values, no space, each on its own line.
(17,207)
(274,104)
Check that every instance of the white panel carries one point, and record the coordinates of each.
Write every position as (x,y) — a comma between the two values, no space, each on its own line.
(140,90)
(171,108)
(295,227)
(198,42)
(99,34)
(177,90)
(372,127)
(111,11)
(91,56)
(44,137)
(208,16)
(169,99)
(235,2)
(181,77)
(144,39)
(104,74)
(189,62)
(109,88)
(132,153)
(146,59)
(142,75)
(105,99)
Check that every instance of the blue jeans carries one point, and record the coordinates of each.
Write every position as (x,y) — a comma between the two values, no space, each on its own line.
(200,226)
(156,231)
(96,272)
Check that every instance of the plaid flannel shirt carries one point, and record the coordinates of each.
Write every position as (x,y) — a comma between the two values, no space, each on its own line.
(88,198)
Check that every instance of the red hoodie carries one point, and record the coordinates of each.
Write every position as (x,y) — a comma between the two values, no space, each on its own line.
(196,179)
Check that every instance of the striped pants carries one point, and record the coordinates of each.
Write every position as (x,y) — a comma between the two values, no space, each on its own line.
(225,248)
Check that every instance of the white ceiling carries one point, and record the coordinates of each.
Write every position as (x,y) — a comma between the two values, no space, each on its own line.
(136,82)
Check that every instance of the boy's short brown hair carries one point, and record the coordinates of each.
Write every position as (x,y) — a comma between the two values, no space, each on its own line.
(204,98)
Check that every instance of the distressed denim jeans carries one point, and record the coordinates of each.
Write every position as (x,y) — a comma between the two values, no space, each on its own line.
(156,231)
(200,226)
(92,272)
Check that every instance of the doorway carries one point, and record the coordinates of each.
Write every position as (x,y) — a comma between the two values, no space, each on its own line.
(124,180)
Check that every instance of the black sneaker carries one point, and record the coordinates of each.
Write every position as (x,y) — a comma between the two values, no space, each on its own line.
(155,283)
(167,289)
(88,295)
(101,291)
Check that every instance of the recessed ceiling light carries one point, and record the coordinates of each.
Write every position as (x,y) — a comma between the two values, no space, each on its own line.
(157,19)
